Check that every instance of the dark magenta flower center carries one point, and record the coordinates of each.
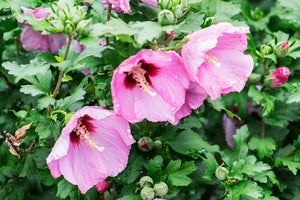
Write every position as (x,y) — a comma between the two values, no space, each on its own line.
(140,75)
(82,131)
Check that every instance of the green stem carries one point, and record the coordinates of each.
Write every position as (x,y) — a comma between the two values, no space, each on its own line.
(60,76)
(107,19)
(59,112)
(292,153)
(168,48)
(262,132)
(265,67)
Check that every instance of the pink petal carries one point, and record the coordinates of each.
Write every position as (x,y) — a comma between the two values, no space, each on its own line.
(151,2)
(34,40)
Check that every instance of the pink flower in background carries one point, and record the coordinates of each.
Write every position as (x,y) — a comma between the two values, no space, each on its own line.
(93,145)
(34,40)
(151,2)
(150,85)
(194,98)
(214,58)
(280,75)
(102,186)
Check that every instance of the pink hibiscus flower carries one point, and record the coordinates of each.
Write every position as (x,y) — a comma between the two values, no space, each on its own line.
(194,98)
(34,40)
(150,85)
(214,58)
(281,76)
(93,145)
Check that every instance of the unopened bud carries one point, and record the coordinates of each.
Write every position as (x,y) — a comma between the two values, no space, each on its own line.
(68,29)
(165,17)
(266,50)
(84,27)
(279,77)
(254,78)
(145,144)
(147,193)
(157,144)
(178,11)
(161,189)
(221,173)
(169,35)
(56,26)
(102,186)
(146,181)
(61,14)
(76,15)
(165,4)
(281,49)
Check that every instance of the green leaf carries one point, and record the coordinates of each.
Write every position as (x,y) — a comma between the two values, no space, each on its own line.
(65,189)
(177,174)
(264,175)
(240,149)
(39,155)
(47,127)
(293,166)
(191,23)
(130,197)
(32,90)
(148,30)
(255,95)
(190,122)
(211,165)
(45,101)
(248,188)
(188,141)
(248,166)
(155,164)
(133,169)
(28,167)
(68,101)
(263,146)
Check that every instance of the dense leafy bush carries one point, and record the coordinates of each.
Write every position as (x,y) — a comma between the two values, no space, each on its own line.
(58,56)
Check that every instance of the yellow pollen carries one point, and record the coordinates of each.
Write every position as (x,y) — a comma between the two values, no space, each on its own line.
(211,60)
(82,131)
(138,74)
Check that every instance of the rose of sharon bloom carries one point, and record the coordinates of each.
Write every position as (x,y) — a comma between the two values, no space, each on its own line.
(194,98)
(214,58)
(150,85)
(280,75)
(34,40)
(123,5)
(93,145)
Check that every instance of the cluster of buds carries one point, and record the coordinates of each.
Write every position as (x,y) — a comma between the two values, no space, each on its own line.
(149,191)
(146,144)
(280,49)
(69,19)
(171,10)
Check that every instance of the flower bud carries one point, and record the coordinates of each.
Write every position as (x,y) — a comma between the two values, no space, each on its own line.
(265,50)
(221,173)
(280,76)
(165,4)
(254,78)
(169,35)
(83,27)
(165,17)
(145,144)
(161,189)
(68,29)
(157,144)
(102,186)
(76,15)
(56,26)
(61,14)
(281,49)
(178,11)
(146,181)
(147,193)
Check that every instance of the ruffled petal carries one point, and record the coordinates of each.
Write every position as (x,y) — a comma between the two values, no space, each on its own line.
(34,40)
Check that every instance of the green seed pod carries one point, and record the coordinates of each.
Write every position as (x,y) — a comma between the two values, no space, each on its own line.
(161,189)
(145,144)
(147,193)
(166,17)
(221,173)
(146,181)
